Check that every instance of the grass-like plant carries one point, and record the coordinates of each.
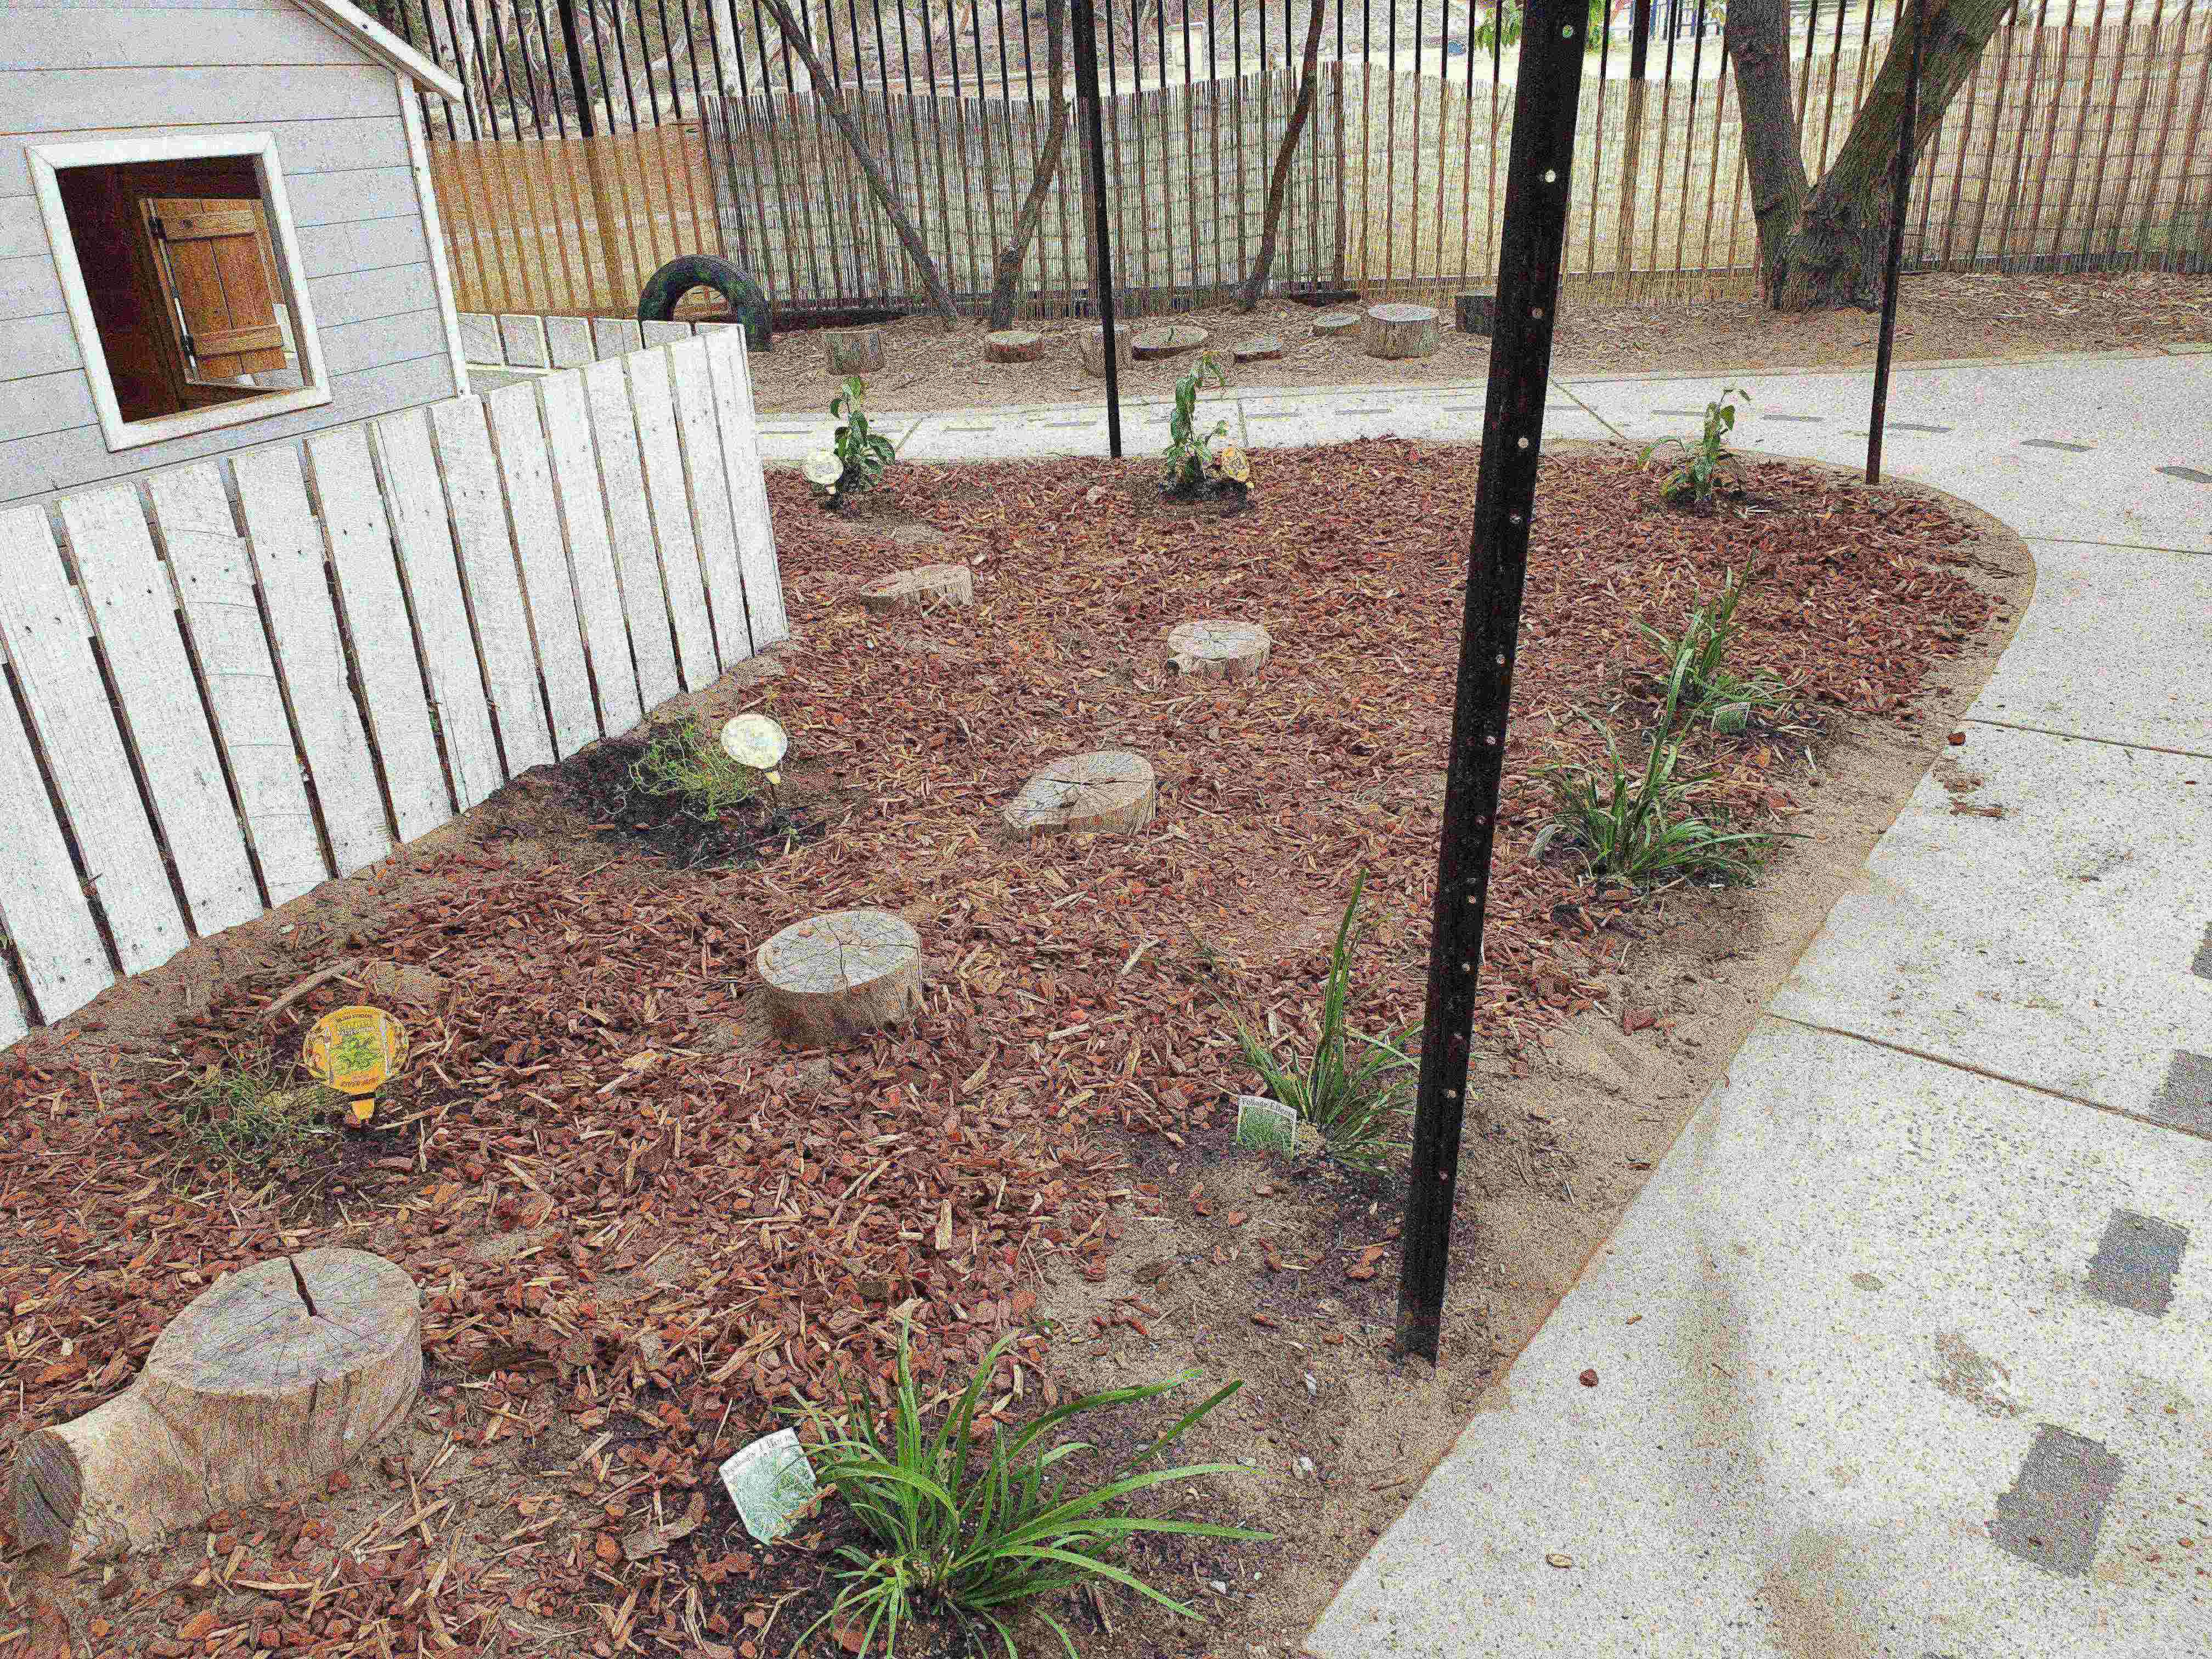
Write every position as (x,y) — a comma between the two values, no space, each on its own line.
(984,1524)
(685,760)
(249,1116)
(1700,686)
(1351,1097)
(1190,451)
(1703,466)
(857,458)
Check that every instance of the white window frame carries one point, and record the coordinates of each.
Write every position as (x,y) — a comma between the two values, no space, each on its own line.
(48,160)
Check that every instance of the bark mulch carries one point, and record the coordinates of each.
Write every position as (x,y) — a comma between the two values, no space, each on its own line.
(643,1233)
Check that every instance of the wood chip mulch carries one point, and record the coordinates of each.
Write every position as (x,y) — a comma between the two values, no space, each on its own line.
(642,1232)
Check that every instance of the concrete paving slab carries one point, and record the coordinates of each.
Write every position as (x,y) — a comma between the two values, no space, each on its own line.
(1830,1337)
(2050,945)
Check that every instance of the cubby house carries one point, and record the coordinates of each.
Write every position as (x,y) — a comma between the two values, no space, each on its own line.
(217,230)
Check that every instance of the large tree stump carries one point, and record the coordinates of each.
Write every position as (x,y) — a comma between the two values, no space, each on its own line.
(246,1395)
(1228,650)
(1092,347)
(853,350)
(923,588)
(1172,340)
(1013,345)
(1260,348)
(1399,330)
(831,977)
(1110,789)
(1331,323)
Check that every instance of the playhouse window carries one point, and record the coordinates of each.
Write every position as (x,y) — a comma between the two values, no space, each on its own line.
(182,275)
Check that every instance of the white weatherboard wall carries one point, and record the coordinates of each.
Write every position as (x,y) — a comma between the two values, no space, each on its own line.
(319,650)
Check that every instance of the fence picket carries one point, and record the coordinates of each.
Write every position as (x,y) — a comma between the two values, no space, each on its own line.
(14,1020)
(673,535)
(614,435)
(214,581)
(431,569)
(733,403)
(134,612)
(521,444)
(590,554)
(44,625)
(375,609)
(692,377)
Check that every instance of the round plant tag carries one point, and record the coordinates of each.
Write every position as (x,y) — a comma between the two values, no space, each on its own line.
(356,1051)
(756,741)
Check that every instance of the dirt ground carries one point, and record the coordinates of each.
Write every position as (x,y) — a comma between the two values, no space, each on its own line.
(1939,316)
(645,1230)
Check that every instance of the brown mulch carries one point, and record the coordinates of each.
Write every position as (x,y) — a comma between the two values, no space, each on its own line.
(644,1233)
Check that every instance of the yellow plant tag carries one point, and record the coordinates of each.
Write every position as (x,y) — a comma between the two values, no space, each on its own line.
(356,1051)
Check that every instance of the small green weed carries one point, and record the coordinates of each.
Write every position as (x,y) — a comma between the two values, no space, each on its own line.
(685,760)
(982,1522)
(249,1116)
(857,458)
(1352,1101)
(1190,453)
(1700,685)
(1704,465)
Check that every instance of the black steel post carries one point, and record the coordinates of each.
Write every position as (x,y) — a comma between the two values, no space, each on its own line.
(1102,268)
(1528,259)
(1900,200)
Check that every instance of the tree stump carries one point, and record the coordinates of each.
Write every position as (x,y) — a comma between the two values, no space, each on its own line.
(1330,324)
(1476,313)
(1259,348)
(1154,344)
(1225,650)
(1396,331)
(1013,345)
(853,350)
(831,977)
(246,1395)
(1110,789)
(923,588)
(1093,346)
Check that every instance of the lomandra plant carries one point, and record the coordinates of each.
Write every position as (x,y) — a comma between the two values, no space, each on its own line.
(1700,683)
(1354,1088)
(1701,467)
(982,1522)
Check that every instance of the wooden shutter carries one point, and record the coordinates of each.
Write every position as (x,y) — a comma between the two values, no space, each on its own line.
(218,271)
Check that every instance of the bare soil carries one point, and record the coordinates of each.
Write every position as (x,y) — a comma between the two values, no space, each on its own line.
(645,1231)
(1940,316)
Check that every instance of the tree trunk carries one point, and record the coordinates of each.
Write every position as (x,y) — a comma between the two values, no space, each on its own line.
(1756,33)
(1008,268)
(1279,183)
(825,87)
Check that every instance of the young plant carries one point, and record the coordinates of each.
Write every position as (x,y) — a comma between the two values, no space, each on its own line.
(1190,453)
(857,458)
(983,1522)
(249,1115)
(1700,683)
(1703,466)
(685,760)
(1351,1099)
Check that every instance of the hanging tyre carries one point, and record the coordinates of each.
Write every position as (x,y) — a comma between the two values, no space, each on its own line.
(669,284)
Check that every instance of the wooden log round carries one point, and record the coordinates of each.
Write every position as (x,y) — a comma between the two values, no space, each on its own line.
(923,588)
(1013,345)
(1260,348)
(1091,346)
(1402,330)
(1220,649)
(246,1394)
(1110,789)
(1153,344)
(1475,314)
(831,977)
(1330,324)
(853,350)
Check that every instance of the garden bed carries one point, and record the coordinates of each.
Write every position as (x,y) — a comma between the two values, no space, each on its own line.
(644,1230)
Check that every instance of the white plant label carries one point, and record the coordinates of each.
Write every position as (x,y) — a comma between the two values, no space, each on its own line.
(1267,1124)
(771,1483)
(756,741)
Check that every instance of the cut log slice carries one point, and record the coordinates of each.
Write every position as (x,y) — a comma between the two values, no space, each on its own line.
(853,350)
(1013,345)
(1093,346)
(1400,331)
(1330,324)
(1174,340)
(923,588)
(1229,650)
(1109,790)
(1259,348)
(831,977)
(246,1395)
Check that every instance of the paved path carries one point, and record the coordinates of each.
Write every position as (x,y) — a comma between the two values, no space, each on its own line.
(1906,1349)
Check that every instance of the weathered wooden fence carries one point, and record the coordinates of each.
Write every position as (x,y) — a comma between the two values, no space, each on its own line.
(229,683)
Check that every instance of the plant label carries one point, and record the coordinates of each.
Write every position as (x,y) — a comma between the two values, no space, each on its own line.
(771,1483)
(1267,1125)
(356,1051)
(757,742)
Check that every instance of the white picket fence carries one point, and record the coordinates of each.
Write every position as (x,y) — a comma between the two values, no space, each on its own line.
(246,677)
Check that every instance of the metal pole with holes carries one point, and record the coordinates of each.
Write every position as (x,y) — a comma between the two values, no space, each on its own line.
(1102,264)
(1528,259)
(1900,200)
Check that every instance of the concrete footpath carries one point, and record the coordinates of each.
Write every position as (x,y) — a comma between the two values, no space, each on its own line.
(1906,1349)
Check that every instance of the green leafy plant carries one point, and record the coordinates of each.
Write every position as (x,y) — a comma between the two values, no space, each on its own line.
(983,1520)
(1501,27)
(1351,1097)
(1700,686)
(252,1116)
(685,760)
(1189,452)
(1701,467)
(857,458)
